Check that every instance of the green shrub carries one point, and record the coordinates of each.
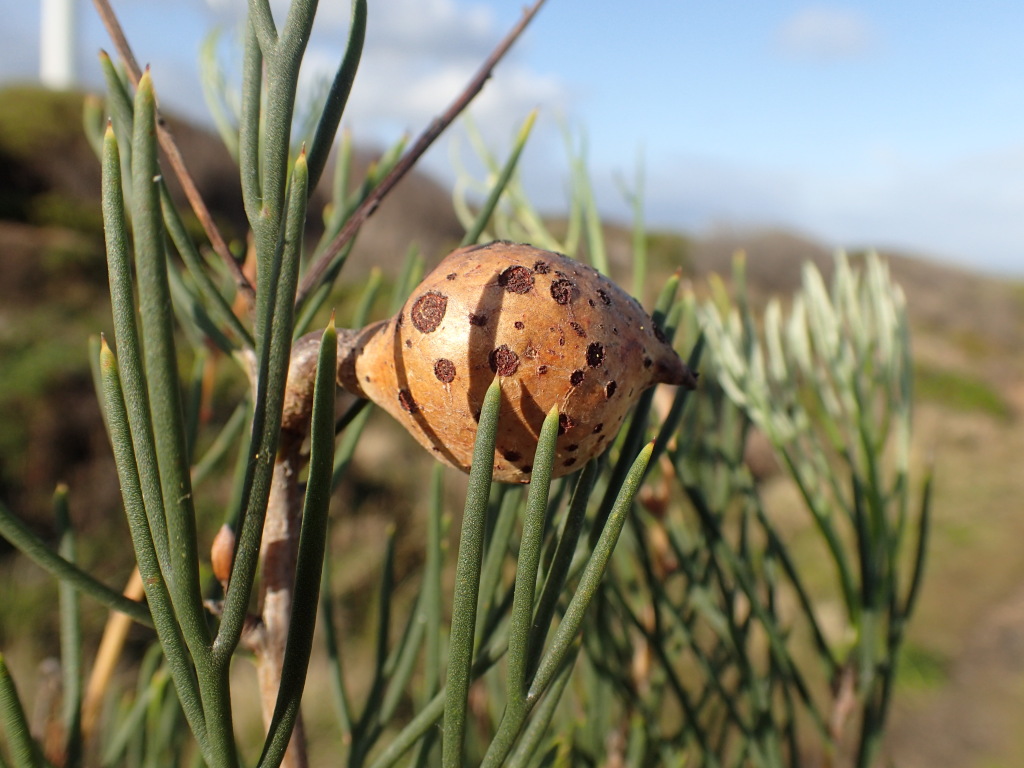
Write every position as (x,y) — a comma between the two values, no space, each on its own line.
(961,392)
(646,610)
(54,209)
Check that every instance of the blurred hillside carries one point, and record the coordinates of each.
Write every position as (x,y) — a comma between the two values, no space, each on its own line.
(961,691)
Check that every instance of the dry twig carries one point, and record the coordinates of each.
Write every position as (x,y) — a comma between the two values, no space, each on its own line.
(429,135)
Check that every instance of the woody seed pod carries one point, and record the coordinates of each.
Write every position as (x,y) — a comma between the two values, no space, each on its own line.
(555,330)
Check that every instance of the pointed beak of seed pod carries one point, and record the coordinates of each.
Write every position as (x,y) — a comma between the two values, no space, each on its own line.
(672,370)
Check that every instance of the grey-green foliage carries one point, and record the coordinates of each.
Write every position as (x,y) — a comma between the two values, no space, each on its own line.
(699,639)
(724,642)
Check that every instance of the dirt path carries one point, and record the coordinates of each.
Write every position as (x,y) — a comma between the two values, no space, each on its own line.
(972,608)
(974,720)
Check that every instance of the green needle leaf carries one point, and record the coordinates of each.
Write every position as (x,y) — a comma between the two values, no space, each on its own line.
(16,532)
(474,232)
(529,560)
(467,580)
(166,412)
(24,751)
(591,578)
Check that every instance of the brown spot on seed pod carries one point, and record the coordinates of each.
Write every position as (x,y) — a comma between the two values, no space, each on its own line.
(527,468)
(562,290)
(477,320)
(516,279)
(504,361)
(541,267)
(579,329)
(598,428)
(444,370)
(609,388)
(572,447)
(428,311)
(595,354)
(659,334)
(604,296)
(519,325)
(406,401)
(591,302)
(565,423)
(511,455)
(408,343)
(542,369)
(450,276)
(530,352)
(647,362)
(576,377)
(569,462)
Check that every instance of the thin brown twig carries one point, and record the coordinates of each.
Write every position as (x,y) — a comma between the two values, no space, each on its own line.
(429,135)
(173,155)
(107,656)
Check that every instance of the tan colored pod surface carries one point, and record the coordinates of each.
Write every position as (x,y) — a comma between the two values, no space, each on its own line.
(554,329)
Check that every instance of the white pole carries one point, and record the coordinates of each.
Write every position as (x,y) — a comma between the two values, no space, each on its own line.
(57,44)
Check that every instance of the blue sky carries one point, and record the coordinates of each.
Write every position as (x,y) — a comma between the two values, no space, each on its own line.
(858,123)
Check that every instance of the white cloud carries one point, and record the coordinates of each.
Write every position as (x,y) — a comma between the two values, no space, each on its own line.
(417,57)
(826,33)
(432,28)
(403,22)
(966,210)
(694,193)
(419,54)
